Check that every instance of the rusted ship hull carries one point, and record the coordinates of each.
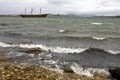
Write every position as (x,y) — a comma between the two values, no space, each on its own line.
(34,16)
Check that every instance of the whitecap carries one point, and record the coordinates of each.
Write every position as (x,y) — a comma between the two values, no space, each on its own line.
(67,50)
(62,31)
(99,38)
(113,51)
(4,44)
(96,23)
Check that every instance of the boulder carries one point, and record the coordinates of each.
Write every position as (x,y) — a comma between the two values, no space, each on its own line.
(34,51)
(67,69)
(100,75)
(115,73)
(4,58)
(72,68)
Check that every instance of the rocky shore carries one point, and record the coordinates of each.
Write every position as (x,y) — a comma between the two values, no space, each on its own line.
(14,71)
(27,71)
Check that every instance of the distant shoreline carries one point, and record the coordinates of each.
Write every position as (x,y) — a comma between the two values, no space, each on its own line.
(55,15)
(8,15)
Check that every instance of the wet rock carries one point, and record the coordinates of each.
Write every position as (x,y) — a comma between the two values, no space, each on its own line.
(28,68)
(100,75)
(34,51)
(72,68)
(115,72)
(67,68)
(3,58)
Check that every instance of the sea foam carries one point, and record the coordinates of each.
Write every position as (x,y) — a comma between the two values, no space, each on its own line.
(86,71)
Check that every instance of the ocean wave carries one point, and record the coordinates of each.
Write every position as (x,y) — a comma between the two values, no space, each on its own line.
(106,51)
(85,38)
(64,49)
(53,49)
(57,49)
(86,70)
(88,38)
(46,48)
(12,34)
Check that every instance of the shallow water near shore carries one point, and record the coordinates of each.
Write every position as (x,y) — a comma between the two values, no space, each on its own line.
(88,42)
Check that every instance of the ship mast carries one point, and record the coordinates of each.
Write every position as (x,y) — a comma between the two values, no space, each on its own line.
(40,10)
(32,11)
(25,10)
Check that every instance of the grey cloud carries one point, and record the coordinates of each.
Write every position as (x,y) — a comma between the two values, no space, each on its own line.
(56,2)
(62,6)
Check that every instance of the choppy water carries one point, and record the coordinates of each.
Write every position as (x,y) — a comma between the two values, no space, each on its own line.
(93,42)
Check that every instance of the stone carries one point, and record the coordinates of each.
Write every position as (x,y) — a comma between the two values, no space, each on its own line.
(36,72)
(72,68)
(115,73)
(34,51)
(3,58)
(100,75)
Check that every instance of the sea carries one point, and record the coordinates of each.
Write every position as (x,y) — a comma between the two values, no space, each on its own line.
(86,44)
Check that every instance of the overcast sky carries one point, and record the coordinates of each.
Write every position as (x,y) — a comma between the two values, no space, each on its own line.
(99,7)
